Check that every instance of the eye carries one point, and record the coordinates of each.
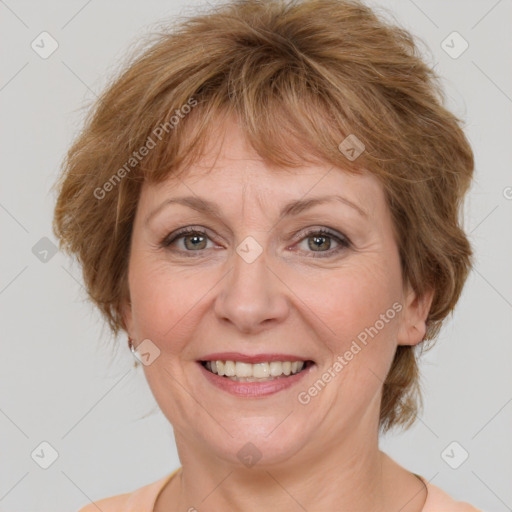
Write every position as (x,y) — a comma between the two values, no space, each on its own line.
(319,239)
(194,239)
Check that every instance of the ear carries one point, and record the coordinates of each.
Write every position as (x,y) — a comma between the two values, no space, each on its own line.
(126,312)
(413,320)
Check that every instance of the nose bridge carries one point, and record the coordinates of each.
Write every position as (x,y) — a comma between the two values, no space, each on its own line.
(252,295)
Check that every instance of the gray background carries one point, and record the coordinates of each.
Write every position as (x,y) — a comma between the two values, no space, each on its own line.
(64,381)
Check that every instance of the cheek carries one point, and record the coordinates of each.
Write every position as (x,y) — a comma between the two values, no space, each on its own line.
(353,299)
(363,321)
(362,311)
(160,302)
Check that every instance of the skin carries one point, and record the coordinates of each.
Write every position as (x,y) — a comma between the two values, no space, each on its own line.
(320,456)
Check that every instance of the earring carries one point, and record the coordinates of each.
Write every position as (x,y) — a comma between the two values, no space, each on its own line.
(130,346)
(132,349)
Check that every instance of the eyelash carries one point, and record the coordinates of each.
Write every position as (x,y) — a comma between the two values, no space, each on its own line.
(343,241)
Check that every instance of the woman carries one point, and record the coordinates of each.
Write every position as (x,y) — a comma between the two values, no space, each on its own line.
(267,203)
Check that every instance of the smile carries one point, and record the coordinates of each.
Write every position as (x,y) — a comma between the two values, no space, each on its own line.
(240,371)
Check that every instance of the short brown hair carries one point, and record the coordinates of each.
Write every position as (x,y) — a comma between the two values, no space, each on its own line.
(300,76)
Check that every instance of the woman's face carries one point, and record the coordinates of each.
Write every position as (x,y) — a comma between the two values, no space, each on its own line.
(257,287)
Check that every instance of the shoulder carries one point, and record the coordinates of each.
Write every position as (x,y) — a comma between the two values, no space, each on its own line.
(141,500)
(440,501)
(114,503)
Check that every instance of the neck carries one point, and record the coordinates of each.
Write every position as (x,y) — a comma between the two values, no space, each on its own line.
(350,476)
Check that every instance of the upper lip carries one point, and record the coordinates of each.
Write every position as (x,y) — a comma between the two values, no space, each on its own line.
(253,359)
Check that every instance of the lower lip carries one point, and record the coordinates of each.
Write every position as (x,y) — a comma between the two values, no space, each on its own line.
(254,389)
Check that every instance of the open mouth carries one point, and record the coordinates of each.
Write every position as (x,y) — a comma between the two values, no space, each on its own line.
(258,372)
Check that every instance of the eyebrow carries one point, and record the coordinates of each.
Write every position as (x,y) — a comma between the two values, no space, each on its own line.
(289,209)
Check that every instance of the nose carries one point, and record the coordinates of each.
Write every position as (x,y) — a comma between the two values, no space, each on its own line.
(252,297)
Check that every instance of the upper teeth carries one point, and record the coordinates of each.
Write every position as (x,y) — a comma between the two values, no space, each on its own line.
(257,370)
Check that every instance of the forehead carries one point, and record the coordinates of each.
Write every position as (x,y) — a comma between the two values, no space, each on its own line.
(230,171)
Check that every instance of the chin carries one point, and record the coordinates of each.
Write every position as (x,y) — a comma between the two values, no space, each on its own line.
(264,442)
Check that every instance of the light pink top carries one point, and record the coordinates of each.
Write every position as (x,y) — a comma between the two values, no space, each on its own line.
(144,498)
